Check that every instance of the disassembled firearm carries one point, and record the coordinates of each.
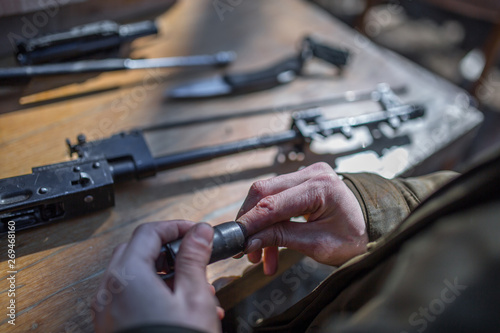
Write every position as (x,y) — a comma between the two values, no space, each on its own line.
(283,72)
(69,189)
(22,74)
(80,41)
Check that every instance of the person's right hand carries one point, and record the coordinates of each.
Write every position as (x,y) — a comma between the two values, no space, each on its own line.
(335,230)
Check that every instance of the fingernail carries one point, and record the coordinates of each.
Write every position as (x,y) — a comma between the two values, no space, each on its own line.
(203,232)
(253,245)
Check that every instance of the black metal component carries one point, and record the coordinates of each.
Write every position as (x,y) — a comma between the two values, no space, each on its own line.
(55,192)
(279,73)
(334,56)
(311,124)
(208,153)
(347,97)
(10,75)
(69,189)
(286,70)
(229,240)
(80,41)
(127,154)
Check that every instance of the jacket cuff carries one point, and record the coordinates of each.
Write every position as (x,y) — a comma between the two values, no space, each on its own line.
(386,203)
(382,203)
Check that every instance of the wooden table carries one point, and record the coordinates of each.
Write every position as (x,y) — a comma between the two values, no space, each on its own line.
(60,265)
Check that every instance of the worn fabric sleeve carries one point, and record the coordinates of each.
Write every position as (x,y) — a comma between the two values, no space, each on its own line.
(386,202)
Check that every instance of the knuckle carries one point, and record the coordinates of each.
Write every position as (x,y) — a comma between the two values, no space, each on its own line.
(324,184)
(321,191)
(280,236)
(324,178)
(321,167)
(191,254)
(96,306)
(189,262)
(194,254)
(199,300)
(258,188)
(268,204)
(317,198)
(145,228)
(119,248)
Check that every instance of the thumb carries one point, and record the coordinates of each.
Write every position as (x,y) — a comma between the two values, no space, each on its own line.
(193,257)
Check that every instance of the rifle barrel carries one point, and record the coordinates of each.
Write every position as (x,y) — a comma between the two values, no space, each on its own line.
(189,157)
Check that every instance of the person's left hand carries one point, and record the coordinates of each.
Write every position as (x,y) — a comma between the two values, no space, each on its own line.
(131,294)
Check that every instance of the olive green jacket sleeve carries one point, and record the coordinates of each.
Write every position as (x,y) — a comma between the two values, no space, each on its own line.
(386,202)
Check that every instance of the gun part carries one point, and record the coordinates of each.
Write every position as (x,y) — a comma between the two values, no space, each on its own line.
(9,75)
(69,189)
(229,240)
(279,73)
(80,41)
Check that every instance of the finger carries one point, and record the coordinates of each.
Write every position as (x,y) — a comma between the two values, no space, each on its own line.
(264,188)
(270,260)
(148,239)
(255,256)
(115,258)
(117,254)
(293,235)
(192,259)
(307,198)
(220,313)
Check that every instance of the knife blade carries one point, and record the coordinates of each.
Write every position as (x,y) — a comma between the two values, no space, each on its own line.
(277,74)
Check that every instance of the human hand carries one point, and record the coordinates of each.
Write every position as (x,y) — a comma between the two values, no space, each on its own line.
(335,230)
(131,293)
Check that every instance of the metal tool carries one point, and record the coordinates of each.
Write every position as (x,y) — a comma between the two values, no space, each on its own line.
(22,74)
(282,72)
(80,41)
(69,189)
(229,240)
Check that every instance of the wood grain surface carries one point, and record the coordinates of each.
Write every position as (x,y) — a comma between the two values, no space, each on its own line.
(59,265)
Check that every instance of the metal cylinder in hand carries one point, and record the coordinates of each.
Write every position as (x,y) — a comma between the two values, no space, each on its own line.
(229,240)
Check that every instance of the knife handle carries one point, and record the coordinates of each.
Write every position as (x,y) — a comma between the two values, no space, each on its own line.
(332,55)
(282,72)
